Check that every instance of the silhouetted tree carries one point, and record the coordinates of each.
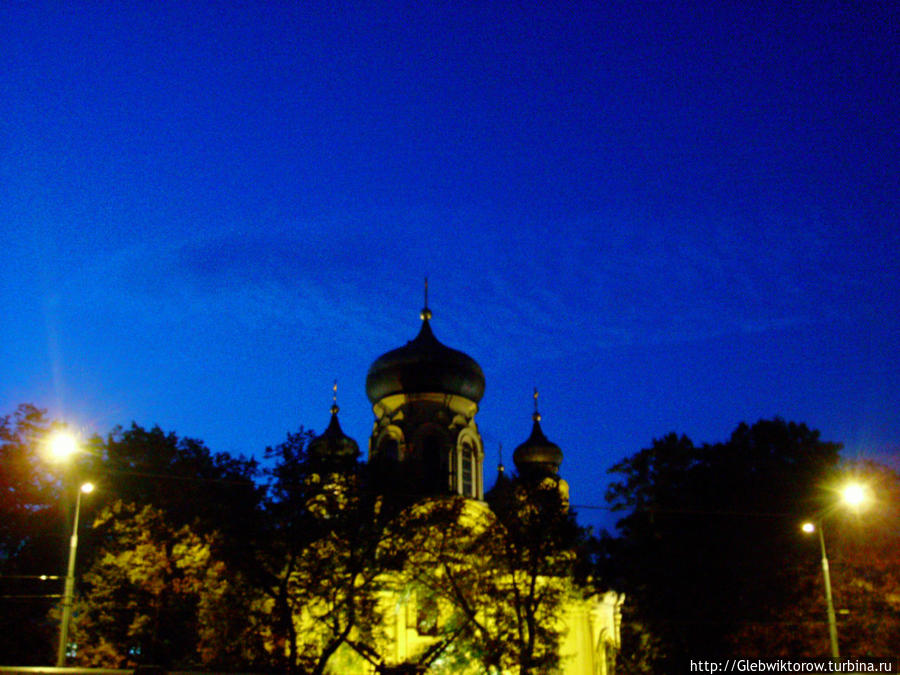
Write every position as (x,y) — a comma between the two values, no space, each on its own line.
(181,476)
(709,540)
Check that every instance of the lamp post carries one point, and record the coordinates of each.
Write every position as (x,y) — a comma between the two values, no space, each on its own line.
(69,592)
(62,445)
(826,575)
(853,495)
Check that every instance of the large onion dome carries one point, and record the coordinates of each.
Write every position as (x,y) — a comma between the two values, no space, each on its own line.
(425,365)
(333,444)
(537,454)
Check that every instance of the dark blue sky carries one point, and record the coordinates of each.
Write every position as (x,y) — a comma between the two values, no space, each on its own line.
(667,216)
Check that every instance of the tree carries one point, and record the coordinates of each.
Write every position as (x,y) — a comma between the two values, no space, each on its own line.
(642,652)
(180,476)
(140,593)
(155,593)
(177,491)
(319,556)
(501,573)
(444,571)
(865,548)
(487,586)
(708,542)
(538,552)
(191,563)
(37,500)
(232,619)
(190,491)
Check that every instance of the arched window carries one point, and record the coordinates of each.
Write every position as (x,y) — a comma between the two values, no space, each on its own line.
(468,471)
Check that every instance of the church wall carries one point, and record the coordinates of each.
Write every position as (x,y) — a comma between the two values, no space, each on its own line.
(590,635)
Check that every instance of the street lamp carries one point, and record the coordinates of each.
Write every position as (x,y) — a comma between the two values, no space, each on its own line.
(62,445)
(853,495)
(86,488)
(809,528)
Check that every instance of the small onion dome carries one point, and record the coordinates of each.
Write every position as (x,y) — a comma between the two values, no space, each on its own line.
(537,454)
(501,488)
(424,365)
(333,444)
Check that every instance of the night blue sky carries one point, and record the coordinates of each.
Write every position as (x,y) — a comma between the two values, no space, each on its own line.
(667,216)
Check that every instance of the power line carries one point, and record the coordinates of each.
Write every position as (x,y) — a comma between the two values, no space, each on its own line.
(31,597)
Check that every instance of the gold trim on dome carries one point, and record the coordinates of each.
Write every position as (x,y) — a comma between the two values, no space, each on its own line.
(386,406)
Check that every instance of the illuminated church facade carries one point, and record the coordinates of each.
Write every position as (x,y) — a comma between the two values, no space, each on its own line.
(425,397)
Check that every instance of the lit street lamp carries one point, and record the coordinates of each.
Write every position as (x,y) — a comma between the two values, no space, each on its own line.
(854,495)
(62,446)
(832,622)
(85,488)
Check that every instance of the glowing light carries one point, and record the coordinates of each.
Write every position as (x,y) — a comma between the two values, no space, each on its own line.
(854,494)
(62,445)
(808,527)
(87,488)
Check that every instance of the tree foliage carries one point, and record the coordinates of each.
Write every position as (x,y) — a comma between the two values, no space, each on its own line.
(28,490)
(709,543)
(140,593)
(318,556)
(156,593)
(181,476)
(502,573)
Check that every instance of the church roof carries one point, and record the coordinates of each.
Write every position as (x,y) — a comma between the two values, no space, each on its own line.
(333,444)
(425,365)
(537,453)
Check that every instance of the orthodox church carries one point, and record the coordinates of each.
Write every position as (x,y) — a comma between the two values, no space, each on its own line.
(425,398)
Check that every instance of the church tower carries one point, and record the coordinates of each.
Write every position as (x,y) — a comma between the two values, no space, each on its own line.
(333,451)
(425,396)
(538,459)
